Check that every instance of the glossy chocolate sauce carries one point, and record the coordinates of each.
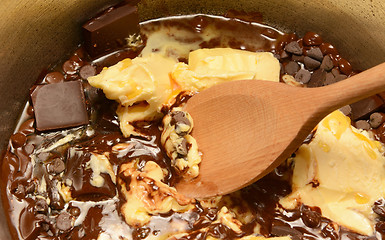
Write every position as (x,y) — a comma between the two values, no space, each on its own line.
(32,169)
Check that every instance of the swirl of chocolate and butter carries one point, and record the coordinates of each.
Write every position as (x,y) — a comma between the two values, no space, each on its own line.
(180,146)
(146,195)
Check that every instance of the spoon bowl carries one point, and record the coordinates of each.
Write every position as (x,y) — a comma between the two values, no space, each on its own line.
(245,129)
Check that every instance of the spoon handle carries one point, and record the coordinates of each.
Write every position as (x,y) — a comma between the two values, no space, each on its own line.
(355,88)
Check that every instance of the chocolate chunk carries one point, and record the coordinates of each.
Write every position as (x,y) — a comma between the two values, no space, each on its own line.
(292,67)
(303,76)
(365,107)
(315,53)
(312,39)
(379,207)
(109,31)
(309,217)
(54,77)
(64,221)
(87,71)
(80,176)
(59,105)
(311,63)
(182,148)
(362,124)
(376,119)
(18,140)
(56,166)
(294,48)
(179,117)
(327,63)
(346,110)
(41,206)
(317,78)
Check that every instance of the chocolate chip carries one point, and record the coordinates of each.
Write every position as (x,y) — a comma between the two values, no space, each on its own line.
(56,200)
(19,191)
(297,58)
(346,110)
(310,218)
(41,206)
(141,233)
(284,55)
(42,156)
(315,53)
(75,211)
(335,72)
(327,63)
(27,127)
(317,78)
(362,124)
(365,107)
(109,31)
(70,67)
(59,105)
(18,140)
(312,39)
(42,217)
(327,48)
(294,48)
(64,221)
(279,230)
(330,79)
(56,166)
(30,111)
(376,119)
(340,77)
(345,66)
(54,77)
(380,227)
(30,188)
(379,207)
(28,148)
(303,76)
(330,231)
(311,63)
(292,67)
(182,148)
(179,117)
(87,71)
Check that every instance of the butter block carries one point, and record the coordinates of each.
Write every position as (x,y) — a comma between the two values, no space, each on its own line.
(342,172)
(208,67)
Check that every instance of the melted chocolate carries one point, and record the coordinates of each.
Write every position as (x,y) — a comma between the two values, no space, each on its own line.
(96,209)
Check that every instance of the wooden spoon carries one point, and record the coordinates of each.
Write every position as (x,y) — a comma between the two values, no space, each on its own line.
(247,128)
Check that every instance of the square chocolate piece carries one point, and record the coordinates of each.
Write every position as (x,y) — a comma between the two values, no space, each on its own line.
(59,105)
(109,31)
(362,109)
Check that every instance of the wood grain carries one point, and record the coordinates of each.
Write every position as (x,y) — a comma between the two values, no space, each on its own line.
(247,128)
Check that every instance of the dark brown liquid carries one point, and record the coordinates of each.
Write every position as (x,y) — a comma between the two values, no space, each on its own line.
(98,209)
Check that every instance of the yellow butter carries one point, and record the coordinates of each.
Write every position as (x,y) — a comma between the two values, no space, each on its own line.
(350,173)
